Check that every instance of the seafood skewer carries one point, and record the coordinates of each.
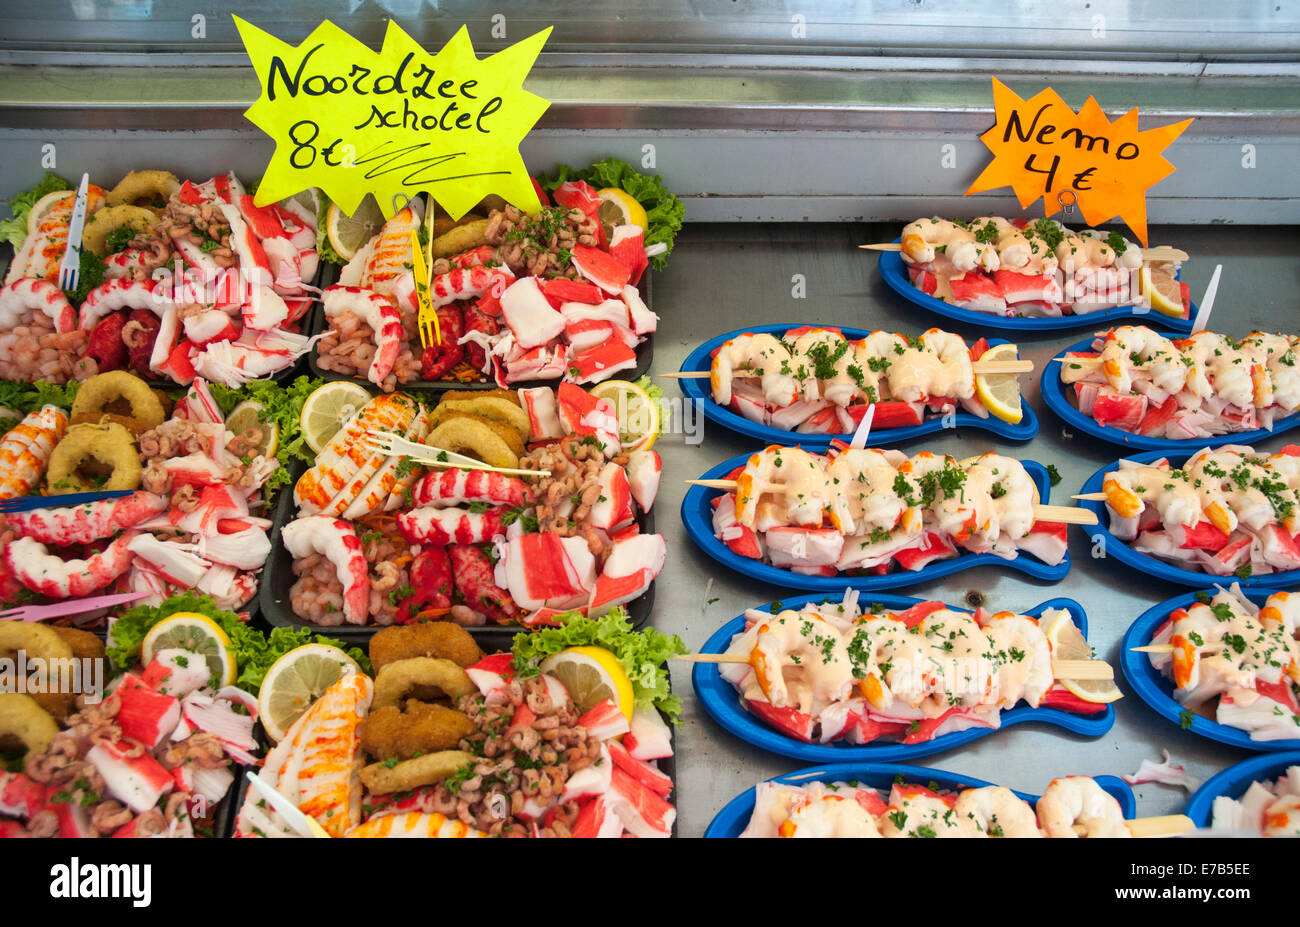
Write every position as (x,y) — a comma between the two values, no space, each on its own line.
(1206,384)
(815,380)
(833,672)
(864,508)
(1225,511)
(1037,268)
(1071,806)
(1243,660)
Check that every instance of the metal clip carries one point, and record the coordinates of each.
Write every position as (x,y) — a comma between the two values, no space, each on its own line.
(405,201)
(1067,205)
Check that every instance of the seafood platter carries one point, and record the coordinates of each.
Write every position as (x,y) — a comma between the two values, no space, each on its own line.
(322,608)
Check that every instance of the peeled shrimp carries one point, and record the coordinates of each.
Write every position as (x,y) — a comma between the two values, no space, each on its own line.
(998,812)
(761,356)
(377,311)
(1080,800)
(797,657)
(794,476)
(337,541)
(939,366)
(1135,347)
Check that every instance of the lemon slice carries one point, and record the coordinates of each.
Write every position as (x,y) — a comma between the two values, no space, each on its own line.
(1157,286)
(618,207)
(325,411)
(44,205)
(591,674)
(245,416)
(196,633)
(1067,643)
(638,414)
(348,234)
(1000,392)
(308,199)
(295,681)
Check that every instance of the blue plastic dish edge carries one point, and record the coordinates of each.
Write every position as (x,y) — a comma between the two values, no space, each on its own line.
(732,820)
(700,359)
(1150,565)
(1153,688)
(1055,395)
(697,516)
(1234,781)
(894,273)
(722,703)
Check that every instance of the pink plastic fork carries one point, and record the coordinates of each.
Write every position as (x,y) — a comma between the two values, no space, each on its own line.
(69,607)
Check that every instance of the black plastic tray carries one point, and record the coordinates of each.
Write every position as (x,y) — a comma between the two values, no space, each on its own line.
(277,578)
(645,351)
(228,814)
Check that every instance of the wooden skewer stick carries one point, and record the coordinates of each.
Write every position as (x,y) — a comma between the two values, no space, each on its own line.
(1166,825)
(981,367)
(1081,361)
(1067,514)
(1169,648)
(1061,669)
(883,246)
(1090,497)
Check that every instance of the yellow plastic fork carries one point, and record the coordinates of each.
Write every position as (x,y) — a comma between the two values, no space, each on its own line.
(430,332)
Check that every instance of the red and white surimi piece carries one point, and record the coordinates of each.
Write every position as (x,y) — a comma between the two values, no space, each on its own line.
(546,570)
(443,526)
(337,541)
(82,524)
(531,318)
(442,489)
(36,568)
(29,294)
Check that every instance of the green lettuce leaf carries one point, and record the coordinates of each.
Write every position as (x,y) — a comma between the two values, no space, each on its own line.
(664,211)
(643,654)
(14,230)
(254,651)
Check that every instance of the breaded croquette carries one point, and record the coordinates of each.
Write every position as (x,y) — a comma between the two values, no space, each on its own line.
(440,639)
(420,728)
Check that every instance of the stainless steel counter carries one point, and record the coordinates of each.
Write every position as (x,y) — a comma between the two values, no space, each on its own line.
(724,277)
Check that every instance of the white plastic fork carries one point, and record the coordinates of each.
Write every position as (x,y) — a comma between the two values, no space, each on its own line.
(428,455)
(70,266)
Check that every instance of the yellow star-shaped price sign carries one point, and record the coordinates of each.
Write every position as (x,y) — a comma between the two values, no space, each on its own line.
(353,121)
(1043,149)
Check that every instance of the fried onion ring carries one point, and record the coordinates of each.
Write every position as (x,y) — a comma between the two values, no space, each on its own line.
(109,444)
(100,392)
(155,186)
(491,408)
(491,442)
(423,639)
(36,641)
(379,779)
(23,719)
(396,680)
(95,235)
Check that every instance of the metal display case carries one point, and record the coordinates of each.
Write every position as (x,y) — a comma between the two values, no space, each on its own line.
(793,132)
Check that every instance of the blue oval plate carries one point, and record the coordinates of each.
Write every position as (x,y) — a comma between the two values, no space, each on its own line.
(697,516)
(894,271)
(1144,563)
(701,359)
(1057,396)
(1233,782)
(722,702)
(1158,692)
(732,820)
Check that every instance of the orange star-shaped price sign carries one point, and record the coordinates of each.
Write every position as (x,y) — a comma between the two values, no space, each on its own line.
(1042,149)
(394,122)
